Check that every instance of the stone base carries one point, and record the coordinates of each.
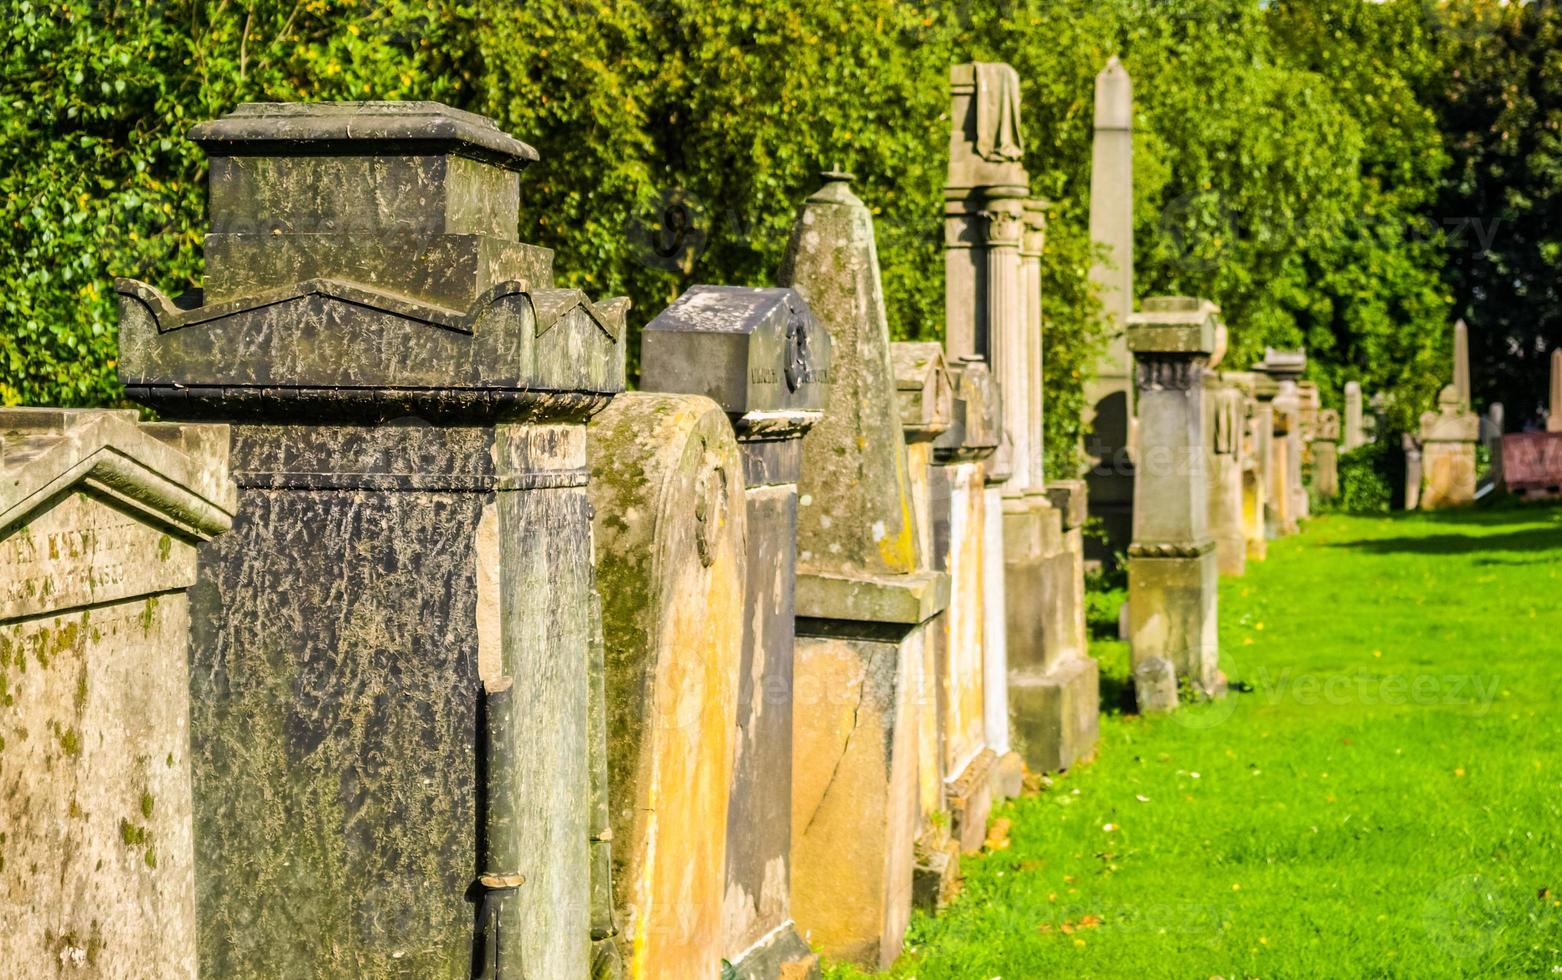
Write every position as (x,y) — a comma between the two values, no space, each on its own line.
(780,954)
(1447,475)
(970,800)
(1008,777)
(1054,718)
(935,878)
(1171,613)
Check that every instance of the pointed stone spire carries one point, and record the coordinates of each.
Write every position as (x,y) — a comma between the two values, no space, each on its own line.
(1462,364)
(1554,420)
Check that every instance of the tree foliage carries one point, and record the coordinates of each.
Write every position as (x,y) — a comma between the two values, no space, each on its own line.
(1294,159)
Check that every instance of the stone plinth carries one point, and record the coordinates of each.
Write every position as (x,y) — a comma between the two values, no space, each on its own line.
(667,490)
(99,521)
(763,357)
(865,602)
(1172,568)
(1226,423)
(392,722)
(1448,438)
(1326,455)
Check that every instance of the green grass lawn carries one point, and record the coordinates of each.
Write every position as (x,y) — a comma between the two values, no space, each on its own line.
(1381,797)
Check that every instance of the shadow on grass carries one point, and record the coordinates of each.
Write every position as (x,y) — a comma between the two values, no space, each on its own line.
(1531,540)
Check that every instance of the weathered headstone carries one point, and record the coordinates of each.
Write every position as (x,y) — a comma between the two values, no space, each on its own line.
(926,400)
(1448,438)
(1109,397)
(1326,455)
(1413,471)
(667,490)
(864,604)
(1532,463)
(959,522)
(99,521)
(1256,424)
(1225,423)
(1286,494)
(1354,434)
(1172,569)
(391,685)
(764,359)
(1554,413)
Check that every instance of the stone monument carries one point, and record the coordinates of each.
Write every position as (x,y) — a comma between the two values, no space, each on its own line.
(99,521)
(667,490)
(761,355)
(865,607)
(1448,438)
(1110,395)
(1172,568)
(1225,423)
(391,720)
(1554,414)
(1326,455)
(1354,434)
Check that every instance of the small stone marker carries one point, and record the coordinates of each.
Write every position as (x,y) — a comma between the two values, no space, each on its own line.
(1325,453)
(99,520)
(392,698)
(667,490)
(1172,565)
(865,603)
(1448,438)
(1354,434)
(763,357)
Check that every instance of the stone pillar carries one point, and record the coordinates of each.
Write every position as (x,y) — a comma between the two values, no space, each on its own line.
(865,605)
(1109,396)
(926,401)
(959,550)
(1413,472)
(1554,415)
(1326,455)
(1462,364)
(101,516)
(1225,426)
(1172,565)
(1354,435)
(1258,458)
(1448,438)
(667,491)
(391,662)
(1286,495)
(764,359)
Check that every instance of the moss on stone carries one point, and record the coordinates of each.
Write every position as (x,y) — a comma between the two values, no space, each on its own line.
(146,805)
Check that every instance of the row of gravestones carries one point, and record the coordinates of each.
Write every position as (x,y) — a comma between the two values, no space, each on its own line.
(417,647)
(495,669)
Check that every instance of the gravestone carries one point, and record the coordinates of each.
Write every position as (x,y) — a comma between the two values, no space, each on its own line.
(959,522)
(391,660)
(1226,422)
(761,355)
(1532,463)
(1109,396)
(1286,493)
(1554,415)
(1413,471)
(925,396)
(667,489)
(1172,567)
(1255,425)
(994,307)
(1448,438)
(865,605)
(1354,434)
(1326,455)
(99,520)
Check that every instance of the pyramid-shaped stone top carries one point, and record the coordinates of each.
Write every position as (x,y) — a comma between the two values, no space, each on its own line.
(923,387)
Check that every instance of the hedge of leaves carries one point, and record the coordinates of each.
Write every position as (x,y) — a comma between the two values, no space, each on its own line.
(1289,157)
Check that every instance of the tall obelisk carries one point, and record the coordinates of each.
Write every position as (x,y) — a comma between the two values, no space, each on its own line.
(1109,396)
(1462,364)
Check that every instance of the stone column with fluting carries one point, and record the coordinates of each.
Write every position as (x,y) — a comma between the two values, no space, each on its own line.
(1109,396)
(1172,570)
(762,356)
(396,714)
(1353,435)
(866,605)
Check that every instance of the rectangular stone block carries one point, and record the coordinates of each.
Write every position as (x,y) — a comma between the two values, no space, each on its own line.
(1055,716)
(1171,612)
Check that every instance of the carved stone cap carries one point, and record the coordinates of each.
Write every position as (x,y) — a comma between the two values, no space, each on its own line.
(1282,365)
(1328,426)
(1174,325)
(1450,423)
(754,351)
(976,430)
(400,128)
(923,388)
(168,474)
